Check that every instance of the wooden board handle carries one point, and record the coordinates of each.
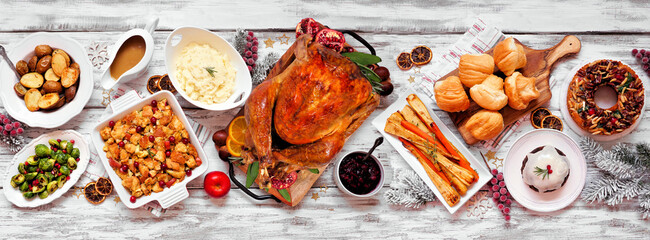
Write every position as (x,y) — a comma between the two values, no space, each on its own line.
(569,44)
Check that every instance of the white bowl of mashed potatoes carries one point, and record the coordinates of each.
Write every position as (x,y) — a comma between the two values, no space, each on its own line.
(206,70)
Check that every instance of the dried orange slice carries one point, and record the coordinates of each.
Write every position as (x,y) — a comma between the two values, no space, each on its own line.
(404,61)
(166,84)
(537,115)
(421,55)
(152,84)
(237,130)
(552,122)
(103,186)
(92,195)
(233,148)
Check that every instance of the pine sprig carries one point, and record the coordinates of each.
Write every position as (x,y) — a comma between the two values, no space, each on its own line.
(409,190)
(544,172)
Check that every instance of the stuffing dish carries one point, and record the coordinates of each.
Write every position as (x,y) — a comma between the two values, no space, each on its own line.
(149,149)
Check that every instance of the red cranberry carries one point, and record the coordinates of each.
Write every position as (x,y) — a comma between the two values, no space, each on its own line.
(163,167)
(67,178)
(132,199)
(121,144)
(172,139)
(548,167)
(635,51)
(35,182)
(613,120)
(153,120)
(77,159)
(188,172)
(139,129)
(58,140)
(124,168)
(154,103)
(152,138)
(185,141)
(161,183)
(64,151)
(26,163)
(72,141)
(168,153)
(136,164)
(111,124)
(592,111)
(550,171)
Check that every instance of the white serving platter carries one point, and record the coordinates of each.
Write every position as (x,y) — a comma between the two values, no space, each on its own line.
(16,197)
(478,165)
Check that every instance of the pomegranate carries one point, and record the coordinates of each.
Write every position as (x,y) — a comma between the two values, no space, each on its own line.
(331,38)
(307,26)
(286,183)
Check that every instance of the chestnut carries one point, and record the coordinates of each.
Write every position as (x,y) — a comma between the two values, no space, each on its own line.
(386,88)
(382,72)
(219,137)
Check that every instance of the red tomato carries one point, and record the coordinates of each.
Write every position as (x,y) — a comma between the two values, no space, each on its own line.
(216,184)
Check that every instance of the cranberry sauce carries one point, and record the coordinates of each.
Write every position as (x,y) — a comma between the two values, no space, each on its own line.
(358,176)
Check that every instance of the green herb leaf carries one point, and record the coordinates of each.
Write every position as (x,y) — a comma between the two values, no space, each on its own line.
(543,172)
(372,77)
(251,174)
(285,194)
(236,160)
(314,170)
(211,71)
(362,58)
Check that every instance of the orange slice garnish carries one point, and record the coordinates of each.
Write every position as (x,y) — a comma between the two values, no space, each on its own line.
(234,148)
(237,130)
(421,55)
(553,122)
(538,115)
(404,61)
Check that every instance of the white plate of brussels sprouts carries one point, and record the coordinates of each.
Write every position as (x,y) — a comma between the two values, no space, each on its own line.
(46,168)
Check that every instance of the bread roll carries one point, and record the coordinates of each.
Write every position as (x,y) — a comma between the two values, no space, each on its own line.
(509,56)
(489,94)
(485,124)
(520,90)
(450,95)
(474,68)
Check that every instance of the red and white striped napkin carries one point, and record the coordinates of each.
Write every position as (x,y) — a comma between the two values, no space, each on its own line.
(96,169)
(479,38)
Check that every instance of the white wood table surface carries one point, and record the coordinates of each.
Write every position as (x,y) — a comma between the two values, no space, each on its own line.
(606,28)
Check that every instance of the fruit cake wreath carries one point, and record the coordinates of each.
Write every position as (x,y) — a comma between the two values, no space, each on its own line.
(610,73)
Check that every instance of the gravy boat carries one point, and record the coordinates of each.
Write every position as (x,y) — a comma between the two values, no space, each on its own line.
(106,80)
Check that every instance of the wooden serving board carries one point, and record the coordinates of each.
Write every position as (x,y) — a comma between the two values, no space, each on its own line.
(306,179)
(539,65)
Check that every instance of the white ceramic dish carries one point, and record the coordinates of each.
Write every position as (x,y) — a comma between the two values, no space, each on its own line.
(478,165)
(23,51)
(550,201)
(121,107)
(564,109)
(16,197)
(337,178)
(187,35)
(106,80)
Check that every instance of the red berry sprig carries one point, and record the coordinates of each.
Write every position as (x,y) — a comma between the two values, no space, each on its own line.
(250,54)
(9,127)
(500,194)
(643,56)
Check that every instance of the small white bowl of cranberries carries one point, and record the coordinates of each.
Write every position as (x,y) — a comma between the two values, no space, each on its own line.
(359,176)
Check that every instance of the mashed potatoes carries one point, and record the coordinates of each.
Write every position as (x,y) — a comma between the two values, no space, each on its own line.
(205,74)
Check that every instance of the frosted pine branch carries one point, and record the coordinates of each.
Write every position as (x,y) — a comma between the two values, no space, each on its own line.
(625,190)
(609,162)
(239,41)
(600,189)
(589,148)
(409,190)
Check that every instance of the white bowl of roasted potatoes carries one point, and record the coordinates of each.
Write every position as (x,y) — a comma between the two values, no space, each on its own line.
(56,80)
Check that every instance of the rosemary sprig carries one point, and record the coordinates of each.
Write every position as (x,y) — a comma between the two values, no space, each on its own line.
(543,172)
(211,71)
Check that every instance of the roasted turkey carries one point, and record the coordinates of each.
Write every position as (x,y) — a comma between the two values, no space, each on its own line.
(301,118)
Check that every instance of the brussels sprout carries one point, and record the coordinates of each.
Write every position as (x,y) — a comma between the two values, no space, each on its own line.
(42,179)
(52,186)
(43,194)
(75,153)
(61,181)
(46,165)
(30,176)
(64,170)
(54,143)
(49,176)
(28,195)
(63,144)
(72,163)
(69,148)
(32,168)
(21,168)
(42,150)
(24,187)
(32,160)
(60,158)
(17,179)
(39,188)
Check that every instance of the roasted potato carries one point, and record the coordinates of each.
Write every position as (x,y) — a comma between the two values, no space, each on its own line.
(50,76)
(31,99)
(21,67)
(42,50)
(59,64)
(20,90)
(75,66)
(32,63)
(44,64)
(48,101)
(52,87)
(65,54)
(70,93)
(69,77)
(32,80)
(60,103)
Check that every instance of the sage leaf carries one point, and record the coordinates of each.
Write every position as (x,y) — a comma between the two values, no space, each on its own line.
(314,170)
(285,194)
(362,58)
(251,174)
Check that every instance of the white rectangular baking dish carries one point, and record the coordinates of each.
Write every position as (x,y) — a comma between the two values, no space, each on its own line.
(126,104)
